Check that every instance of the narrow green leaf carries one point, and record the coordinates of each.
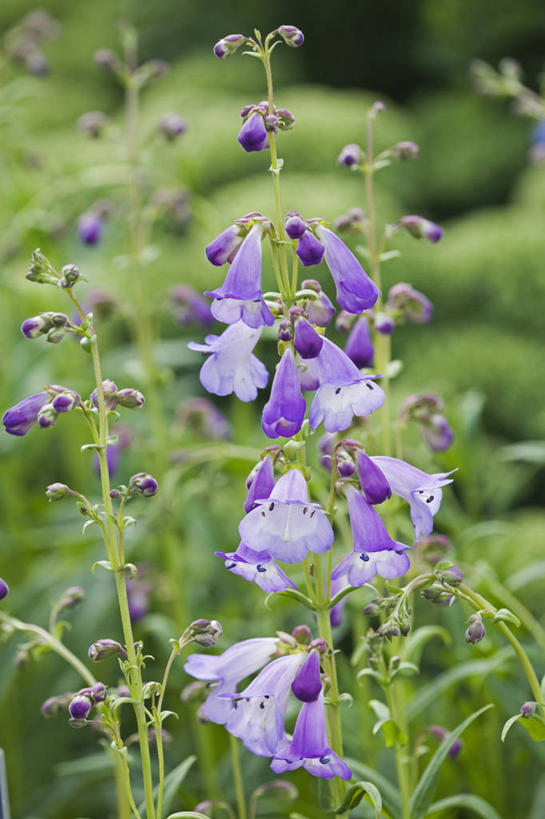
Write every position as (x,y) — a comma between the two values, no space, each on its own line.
(423,794)
(188,813)
(172,784)
(508,725)
(418,639)
(356,793)
(466,800)
(391,800)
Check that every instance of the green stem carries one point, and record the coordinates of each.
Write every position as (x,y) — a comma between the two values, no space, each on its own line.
(237,776)
(158,730)
(125,801)
(400,755)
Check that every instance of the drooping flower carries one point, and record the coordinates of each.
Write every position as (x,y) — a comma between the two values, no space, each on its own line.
(253,134)
(240,296)
(342,390)
(373,482)
(421,490)
(359,345)
(257,567)
(257,713)
(307,685)
(437,433)
(260,483)
(19,419)
(409,304)
(291,35)
(309,746)
(225,246)
(368,531)
(360,567)
(287,525)
(284,412)
(355,290)
(232,367)
(227,670)
(421,228)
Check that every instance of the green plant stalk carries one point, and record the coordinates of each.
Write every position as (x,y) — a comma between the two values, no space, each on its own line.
(125,801)
(237,777)
(158,730)
(526,617)
(403,773)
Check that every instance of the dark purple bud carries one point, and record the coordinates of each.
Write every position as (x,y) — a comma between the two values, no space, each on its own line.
(93,123)
(302,634)
(47,416)
(4,589)
(35,326)
(405,150)
(188,306)
(421,228)
(109,389)
(286,120)
(225,246)
(528,709)
(99,692)
(260,484)
(19,419)
(54,706)
(384,324)
(440,734)
(64,402)
(90,228)
(319,644)
(351,156)
(144,484)
(171,126)
(309,249)
(307,685)
(345,465)
(56,491)
(359,345)
(295,226)
(80,707)
(291,35)
(475,631)
(253,134)
(285,330)
(373,482)
(106,59)
(409,304)
(307,341)
(130,398)
(228,45)
(205,632)
(104,649)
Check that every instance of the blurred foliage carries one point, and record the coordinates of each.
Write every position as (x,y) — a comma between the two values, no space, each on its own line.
(483,351)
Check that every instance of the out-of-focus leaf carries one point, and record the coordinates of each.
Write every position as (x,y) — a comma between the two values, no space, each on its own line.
(423,793)
(465,800)
(391,800)
(528,574)
(172,783)
(356,793)
(418,639)
(532,452)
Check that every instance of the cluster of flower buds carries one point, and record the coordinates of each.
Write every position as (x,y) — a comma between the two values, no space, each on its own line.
(426,409)
(42,407)
(108,61)
(51,325)
(128,397)
(24,42)
(204,633)
(353,156)
(258,122)
(83,701)
(291,35)
(143,484)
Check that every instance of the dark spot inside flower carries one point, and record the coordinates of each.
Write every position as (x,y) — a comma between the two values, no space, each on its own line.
(263,514)
(305,510)
(369,385)
(324,760)
(262,705)
(337,391)
(313,513)
(271,506)
(429,500)
(364,556)
(234,704)
(230,565)
(247,699)
(267,696)
(261,568)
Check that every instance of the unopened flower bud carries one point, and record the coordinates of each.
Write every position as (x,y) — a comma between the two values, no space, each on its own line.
(436,594)
(286,120)
(372,608)
(409,304)
(106,59)
(92,123)
(130,398)
(452,575)
(475,631)
(71,597)
(56,491)
(312,284)
(384,324)
(47,416)
(144,484)
(440,734)
(351,156)
(4,589)
(54,706)
(171,126)
(69,275)
(104,649)
(345,465)
(291,35)
(271,123)
(228,45)
(205,632)
(421,228)
(41,270)
(63,402)
(377,108)
(302,634)
(80,707)
(99,692)
(320,311)
(35,326)
(319,644)
(90,227)
(307,341)
(528,709)
(284,330)
(405,150)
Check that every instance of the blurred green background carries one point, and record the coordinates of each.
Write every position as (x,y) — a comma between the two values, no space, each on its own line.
(483,351)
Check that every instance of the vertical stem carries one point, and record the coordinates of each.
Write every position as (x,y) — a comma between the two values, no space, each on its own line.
(123,801)
(237,776)
(400,757)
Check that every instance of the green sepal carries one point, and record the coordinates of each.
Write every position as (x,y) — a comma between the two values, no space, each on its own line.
(506,616)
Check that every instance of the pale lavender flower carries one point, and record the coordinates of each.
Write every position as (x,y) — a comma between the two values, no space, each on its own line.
(284,413)
(359,345)
(360,567)
(257,567)
(225,246)
(422,491)
(287,525)
(309,746)
(355,290)
(260,483)
(342,390)
(240,296)
(368,531)
(232,367)
(19,419)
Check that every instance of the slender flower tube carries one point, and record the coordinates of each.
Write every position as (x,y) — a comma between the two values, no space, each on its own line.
(258,712)
(368,531)
(19,419)
(227,670)
(287,525)
(224,248)
(240,296)
(422,491)
(309,747)
(355,290)
(308,684)
(257,567)
(232,367)
(342,390)
(259,483)
(284,413)
(373,482)
(359,344)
